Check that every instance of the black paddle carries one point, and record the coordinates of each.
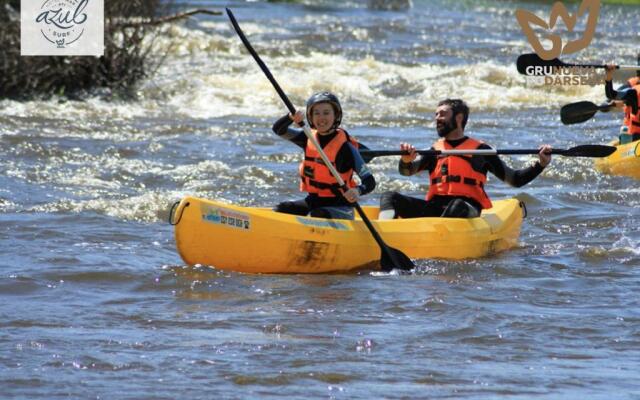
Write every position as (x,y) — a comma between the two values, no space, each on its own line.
(585,150)
(391,258)
(531,64)
(581,111)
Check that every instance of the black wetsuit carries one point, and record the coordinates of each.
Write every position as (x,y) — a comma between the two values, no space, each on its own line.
(348,158)
(411,207)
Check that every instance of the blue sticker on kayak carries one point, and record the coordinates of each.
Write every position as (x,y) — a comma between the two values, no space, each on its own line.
(323,223)
(225,217)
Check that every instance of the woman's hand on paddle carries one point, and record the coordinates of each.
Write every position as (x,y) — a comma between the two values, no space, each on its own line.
(298,117)
(352,195)
(544,156)
(409,149)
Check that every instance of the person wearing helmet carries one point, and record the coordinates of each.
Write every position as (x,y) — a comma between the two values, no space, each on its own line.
(457,182)
(325,199)
(627,99)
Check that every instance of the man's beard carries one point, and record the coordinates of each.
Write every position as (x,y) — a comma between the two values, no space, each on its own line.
(446,128)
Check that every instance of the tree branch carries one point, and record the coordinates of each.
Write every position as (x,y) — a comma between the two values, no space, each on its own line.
(168,18)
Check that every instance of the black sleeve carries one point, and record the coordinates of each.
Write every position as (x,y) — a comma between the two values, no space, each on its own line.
(615,94)
(502,171)
(367,184)
(344,159)
(608,90)
(423,163)
(630,98)
(516,178)
(349,158)
(366,159)
(283,129)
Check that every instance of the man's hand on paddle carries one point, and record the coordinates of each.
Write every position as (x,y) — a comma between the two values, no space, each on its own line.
(544,156)
(409,149)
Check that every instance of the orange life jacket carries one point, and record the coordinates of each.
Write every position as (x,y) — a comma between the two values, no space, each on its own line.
(316,177)
(631,120)
(454,175)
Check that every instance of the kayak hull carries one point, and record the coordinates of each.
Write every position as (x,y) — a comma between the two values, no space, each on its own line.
(625,161)
(259,240)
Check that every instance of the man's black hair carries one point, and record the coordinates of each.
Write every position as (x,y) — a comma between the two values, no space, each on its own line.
(457,106)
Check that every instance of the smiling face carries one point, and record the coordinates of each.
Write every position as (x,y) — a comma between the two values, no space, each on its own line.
(444,120)
(323,117)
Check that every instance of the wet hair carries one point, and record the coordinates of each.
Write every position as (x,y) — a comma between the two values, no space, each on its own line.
(457,106)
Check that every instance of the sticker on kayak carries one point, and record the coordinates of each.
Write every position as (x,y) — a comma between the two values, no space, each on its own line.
(630,152)
(323,223)
(225,217)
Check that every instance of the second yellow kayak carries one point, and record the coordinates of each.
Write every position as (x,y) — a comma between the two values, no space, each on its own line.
(625,161)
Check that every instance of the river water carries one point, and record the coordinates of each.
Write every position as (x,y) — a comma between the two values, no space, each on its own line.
(98,304)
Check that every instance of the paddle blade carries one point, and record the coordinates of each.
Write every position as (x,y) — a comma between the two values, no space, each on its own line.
(589,150)
(531,64)
(395,259)
(576,113)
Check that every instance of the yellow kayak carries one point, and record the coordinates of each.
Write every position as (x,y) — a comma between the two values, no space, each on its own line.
(625,161)
(259,240)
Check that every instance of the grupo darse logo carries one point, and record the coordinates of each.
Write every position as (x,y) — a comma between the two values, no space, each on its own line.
(62,21)
(62,27)
(559,11)
(556,72)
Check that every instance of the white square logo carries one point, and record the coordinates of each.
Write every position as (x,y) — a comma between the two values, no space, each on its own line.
(62,27)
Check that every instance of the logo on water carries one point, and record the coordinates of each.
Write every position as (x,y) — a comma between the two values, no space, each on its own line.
(589,11)
(559,11)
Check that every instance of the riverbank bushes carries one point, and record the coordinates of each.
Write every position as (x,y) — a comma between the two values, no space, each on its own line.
(131,29)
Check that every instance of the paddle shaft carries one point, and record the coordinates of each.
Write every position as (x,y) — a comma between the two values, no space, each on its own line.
(533,60)
(309,135)
(481,152)
(262,65)
(578,151)
(620,67)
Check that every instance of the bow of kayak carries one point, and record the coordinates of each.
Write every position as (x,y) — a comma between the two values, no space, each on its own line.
(259,240)
(625,161)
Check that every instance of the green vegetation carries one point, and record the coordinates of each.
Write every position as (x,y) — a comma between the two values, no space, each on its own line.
(125,61)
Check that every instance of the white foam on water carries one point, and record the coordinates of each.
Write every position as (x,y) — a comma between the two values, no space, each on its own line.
(369,88)
(209,74)
(627,244)
(150,206)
